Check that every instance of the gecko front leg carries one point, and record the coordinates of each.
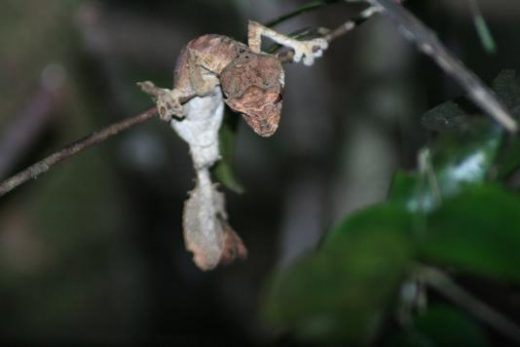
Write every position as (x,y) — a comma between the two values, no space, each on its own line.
(169,102)
(192,78)
(307,50)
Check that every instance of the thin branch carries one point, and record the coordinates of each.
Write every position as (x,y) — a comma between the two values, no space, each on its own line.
(286,56)
(443,284)
(45,164)
(428,43)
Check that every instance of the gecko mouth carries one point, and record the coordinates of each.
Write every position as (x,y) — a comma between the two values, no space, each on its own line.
(264,123)
(261,127)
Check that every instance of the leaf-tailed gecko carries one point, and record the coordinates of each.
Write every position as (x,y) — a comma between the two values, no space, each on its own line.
(252,81)
(211,70)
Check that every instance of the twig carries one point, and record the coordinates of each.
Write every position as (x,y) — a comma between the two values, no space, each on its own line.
(428,43)
(286,56)
(44,165)
(447,287)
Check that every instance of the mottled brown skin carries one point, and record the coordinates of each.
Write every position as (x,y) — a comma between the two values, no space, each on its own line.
(252,83)
(253,86)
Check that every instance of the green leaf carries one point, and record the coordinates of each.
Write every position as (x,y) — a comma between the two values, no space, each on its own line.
(441,326)
(410,190)
(455,162)
(404,187)
(461,161)
(485,34)
(340,292)
(477,231)
(508,161)
(388,214)
(449,116)
(466,152)
(223,170)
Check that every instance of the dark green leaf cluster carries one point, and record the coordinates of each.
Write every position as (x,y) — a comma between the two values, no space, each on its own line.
(455,212)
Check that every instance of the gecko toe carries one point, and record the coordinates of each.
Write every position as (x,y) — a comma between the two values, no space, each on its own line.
(297,56)
(308,60)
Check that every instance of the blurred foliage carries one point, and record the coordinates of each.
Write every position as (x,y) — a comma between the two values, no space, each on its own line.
(340,292)
(477,231)
(56,241)
(441,326)
(508,88)
(454,211)
(223,170)
(482,28)
(74,236)
(31,37)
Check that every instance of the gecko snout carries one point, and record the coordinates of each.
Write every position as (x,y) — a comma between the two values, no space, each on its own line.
(260,108)
(265,121)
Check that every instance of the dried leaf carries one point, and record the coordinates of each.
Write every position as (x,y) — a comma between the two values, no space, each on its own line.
(206,231)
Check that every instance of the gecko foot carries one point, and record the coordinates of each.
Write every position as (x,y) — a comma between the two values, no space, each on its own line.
(309,50)
(168,101)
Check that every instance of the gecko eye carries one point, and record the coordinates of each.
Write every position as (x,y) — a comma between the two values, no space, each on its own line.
(278,99)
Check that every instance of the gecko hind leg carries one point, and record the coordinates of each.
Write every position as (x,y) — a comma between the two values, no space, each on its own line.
(305,51)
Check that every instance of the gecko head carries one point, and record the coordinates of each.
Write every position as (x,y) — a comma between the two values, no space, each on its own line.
(260,109)
(253,86)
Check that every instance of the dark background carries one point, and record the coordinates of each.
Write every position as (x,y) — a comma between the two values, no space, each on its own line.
(92,252)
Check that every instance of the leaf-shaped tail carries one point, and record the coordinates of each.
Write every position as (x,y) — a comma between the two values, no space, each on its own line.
(207,232)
